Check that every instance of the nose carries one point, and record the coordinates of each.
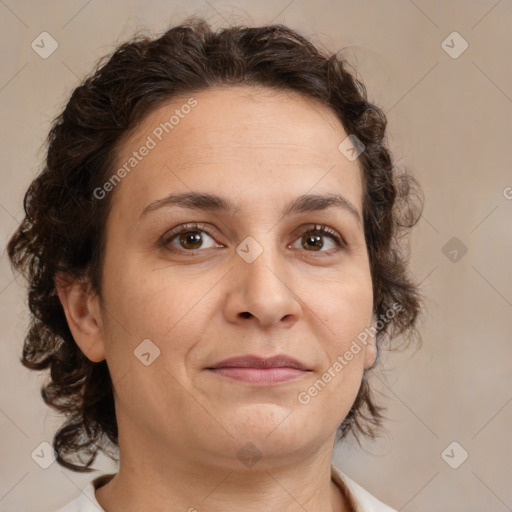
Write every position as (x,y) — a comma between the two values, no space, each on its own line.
(262,292)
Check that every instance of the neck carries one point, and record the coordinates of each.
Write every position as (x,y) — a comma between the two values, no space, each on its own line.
(147,480)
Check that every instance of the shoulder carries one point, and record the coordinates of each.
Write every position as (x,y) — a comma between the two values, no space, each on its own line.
(362,499)
(86,501)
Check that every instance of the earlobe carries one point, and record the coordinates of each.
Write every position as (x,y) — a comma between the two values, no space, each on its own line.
(82,311)
(370,354)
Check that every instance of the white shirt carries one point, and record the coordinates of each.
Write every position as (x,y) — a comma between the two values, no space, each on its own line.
(362,499)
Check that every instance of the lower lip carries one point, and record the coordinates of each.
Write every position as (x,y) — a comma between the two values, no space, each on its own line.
(260,375)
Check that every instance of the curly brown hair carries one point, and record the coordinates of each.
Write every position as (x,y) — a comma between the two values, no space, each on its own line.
(62,233)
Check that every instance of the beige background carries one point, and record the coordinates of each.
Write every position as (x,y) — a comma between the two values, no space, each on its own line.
(450,122)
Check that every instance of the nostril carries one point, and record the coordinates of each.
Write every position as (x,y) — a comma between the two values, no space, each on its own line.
(246,314)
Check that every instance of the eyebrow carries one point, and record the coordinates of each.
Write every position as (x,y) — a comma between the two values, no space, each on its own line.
(210,202)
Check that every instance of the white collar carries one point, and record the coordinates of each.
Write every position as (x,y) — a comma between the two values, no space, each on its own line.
(363,500)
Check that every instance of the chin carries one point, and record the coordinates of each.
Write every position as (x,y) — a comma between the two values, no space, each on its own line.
(272,427)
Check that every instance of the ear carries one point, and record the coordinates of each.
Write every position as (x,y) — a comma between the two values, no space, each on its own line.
(82,311)
(370,354)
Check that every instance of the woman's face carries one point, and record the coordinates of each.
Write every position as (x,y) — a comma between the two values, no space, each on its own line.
(257,280)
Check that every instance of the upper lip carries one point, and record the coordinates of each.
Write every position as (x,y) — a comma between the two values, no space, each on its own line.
(251,361)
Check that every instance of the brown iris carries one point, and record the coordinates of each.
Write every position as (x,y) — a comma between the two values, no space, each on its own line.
(314,241)
(191,237)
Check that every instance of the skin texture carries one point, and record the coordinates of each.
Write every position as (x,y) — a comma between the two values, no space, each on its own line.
(180,425)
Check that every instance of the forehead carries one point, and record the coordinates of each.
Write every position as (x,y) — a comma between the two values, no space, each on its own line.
(238,141)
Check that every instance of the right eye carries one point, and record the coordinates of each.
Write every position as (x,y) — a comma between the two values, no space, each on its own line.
(188,238)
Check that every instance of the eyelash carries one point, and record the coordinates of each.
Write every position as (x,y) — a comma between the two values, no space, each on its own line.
(185,228)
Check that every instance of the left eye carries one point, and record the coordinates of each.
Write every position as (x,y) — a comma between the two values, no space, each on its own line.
(314,237)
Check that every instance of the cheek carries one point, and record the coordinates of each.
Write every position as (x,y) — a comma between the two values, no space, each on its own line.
(161,304)
(345,307)
(345,316)
(346,313)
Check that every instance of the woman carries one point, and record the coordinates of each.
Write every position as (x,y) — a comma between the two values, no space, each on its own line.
(213,259)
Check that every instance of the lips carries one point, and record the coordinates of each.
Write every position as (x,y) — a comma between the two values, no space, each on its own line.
(260,370)
(280,361)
